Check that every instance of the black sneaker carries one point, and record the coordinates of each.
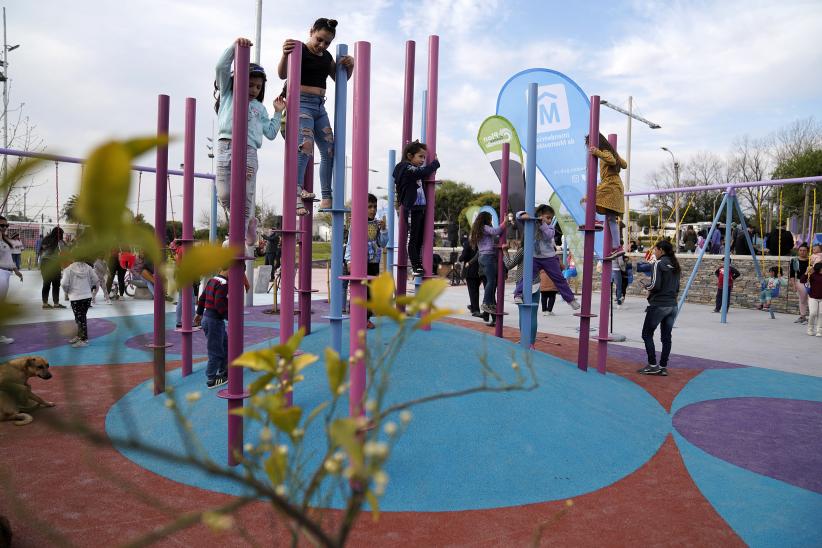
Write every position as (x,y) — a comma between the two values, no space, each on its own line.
(653,370)
(419,271)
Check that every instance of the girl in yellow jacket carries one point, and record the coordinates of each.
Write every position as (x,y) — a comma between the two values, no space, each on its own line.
(610,193)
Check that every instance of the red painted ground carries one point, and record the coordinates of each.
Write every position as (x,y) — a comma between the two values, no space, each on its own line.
(55,482)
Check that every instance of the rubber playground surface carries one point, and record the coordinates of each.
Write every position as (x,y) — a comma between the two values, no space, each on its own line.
(717,453)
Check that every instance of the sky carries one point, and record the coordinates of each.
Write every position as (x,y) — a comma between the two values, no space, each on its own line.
(708,72)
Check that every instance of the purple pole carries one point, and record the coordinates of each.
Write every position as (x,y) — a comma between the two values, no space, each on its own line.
(159,343)
(188,226)
(605,290)
(503,214)
(359,224)
(588,247)
(236,233)
(407,121)
(306,222)
(431,142)
(289,230)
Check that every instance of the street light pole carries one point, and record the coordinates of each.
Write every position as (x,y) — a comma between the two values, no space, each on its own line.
(5,98)
(676,196)
(258,37)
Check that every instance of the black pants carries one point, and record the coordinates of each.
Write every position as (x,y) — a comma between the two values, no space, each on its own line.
(416,228)
(116,270)
(50,281)
(473,292)
(271,259)
(372,269)
(548,299)
(664,317)
(80,309)
(719,298)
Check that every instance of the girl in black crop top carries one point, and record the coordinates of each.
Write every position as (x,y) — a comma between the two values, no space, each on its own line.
(317,66)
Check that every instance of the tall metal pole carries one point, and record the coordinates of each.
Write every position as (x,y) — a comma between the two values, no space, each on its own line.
(338,203)
(5,106)
(188,228)
(605,295)
(627,217)
(258,38)
(503,214)
(239,129)
(431,142)
(160,185)
(527,309)
(407,121)
(727,254)
(389,250)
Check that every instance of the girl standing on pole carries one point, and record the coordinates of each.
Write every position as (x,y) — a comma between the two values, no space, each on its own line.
(259,124)
(317,66)
(610,193)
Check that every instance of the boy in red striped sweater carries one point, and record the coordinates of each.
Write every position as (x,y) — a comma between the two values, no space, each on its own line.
(212,312)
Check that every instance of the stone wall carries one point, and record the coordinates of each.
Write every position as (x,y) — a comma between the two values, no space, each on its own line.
(703,290)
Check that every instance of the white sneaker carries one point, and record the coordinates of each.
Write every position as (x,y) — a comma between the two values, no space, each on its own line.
(819,333)
(73,340)
(517,299)
(6,340)
(574,304)
(79,344)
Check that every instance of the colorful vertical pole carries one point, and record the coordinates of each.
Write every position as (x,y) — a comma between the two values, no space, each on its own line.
(588,245)
(212,225)
(359,226)
(338,209)
(389,249)
(431,142)
(159,343)
(729,215)
(289,228)
(236,231)
(527,308)
(605,289)
(188,227)
(306,224)
(503,214)
(407,122)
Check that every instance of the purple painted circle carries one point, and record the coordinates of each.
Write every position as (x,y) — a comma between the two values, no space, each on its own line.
(778,438)
(36,337)
(252,334)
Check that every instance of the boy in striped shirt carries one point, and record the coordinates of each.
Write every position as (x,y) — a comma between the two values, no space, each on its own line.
(212,312)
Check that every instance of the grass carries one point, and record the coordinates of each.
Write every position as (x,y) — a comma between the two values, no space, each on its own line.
(319,251)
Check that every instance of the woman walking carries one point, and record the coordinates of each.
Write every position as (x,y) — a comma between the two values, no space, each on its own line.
(663,289)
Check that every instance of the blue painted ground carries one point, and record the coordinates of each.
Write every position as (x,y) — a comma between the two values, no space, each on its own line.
(575,434)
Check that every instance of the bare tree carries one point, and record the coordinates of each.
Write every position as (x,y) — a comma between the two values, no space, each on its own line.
(795,138)
(704,169)
(22,136)
(751,160)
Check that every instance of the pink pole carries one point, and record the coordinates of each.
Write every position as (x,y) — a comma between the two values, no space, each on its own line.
(588,246)
(306,223)
(503,214)
(159,343)
(188,226)
(236,233)
(407,121)
(289,229)
(605,290)
(359,224)
(431,142)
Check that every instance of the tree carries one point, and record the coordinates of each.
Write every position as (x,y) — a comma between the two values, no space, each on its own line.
(799,198)
(21,136)
(451,198)
(69,212)
(750,160)
(704,169)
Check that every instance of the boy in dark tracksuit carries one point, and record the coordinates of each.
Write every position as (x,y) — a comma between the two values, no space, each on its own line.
(408,177)
(212,312)
(720,277)
(377,240)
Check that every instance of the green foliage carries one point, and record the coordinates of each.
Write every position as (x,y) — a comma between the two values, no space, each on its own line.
(486,199)
(805,164)
(451,198)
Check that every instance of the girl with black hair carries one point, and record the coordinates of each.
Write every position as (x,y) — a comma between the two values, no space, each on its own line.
(259,124)
(483,239)
(50,267)
(317,66)
(663,289)
(7,266)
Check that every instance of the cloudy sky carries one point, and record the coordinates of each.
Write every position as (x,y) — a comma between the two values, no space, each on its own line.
(708,72)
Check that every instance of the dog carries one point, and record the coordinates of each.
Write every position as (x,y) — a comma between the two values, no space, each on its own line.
(16,395)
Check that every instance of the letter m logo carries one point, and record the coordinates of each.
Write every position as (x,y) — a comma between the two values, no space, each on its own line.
(552,109)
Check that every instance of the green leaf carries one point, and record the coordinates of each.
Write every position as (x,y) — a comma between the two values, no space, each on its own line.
(275,466)
(203,259)
(248,412)
(260,383)
(294,341)
(141,145)
(432,316)
(304,360)
(343,432)
(104,187)
(374,503)
(430,290)
(286,418)
(264,359)
(335,369)
(314,413)
(15,173)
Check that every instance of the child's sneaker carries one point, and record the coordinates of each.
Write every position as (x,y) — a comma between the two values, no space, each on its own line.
(819,333)
(73,340)
(79,344)
(574,304)
(653,370)
(517,299)
(618,252)
(419,271)
(6,340)
(325,203)
(305,195)
(490,308)
(810,333)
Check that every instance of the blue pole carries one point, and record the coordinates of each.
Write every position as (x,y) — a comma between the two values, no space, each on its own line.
(422,122)
(701,254)
(729,215)
(526,309)
(338,203)
(212,227)
(748,239)
(389,250)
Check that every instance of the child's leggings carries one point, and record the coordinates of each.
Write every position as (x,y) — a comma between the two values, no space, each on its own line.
(80,309)
(224,182)
(613,226)
(551,267)
(814,315)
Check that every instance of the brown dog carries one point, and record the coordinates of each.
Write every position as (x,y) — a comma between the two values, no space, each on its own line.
(15,393)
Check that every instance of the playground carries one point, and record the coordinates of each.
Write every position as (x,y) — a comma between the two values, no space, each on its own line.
(419,424)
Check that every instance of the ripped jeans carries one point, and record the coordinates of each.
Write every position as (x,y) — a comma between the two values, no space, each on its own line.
(224,183)
(314,121)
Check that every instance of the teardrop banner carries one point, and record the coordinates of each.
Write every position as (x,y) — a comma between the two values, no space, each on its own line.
(563,116)
(493,132)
